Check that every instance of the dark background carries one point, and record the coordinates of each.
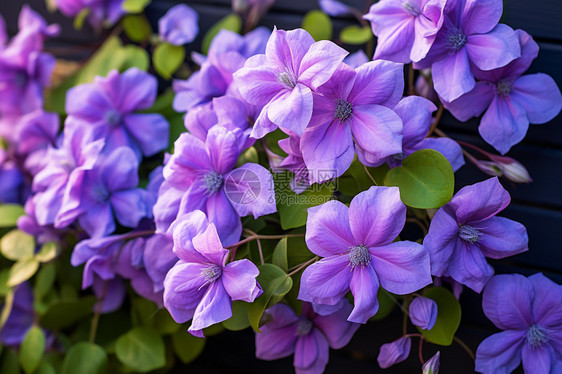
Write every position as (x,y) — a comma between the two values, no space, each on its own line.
(538,205)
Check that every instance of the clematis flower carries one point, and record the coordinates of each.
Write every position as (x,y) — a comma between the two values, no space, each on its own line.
(308,336)
(100,13)
(394,352)
(423,312)
(21,317)
(201,286)
(354,108)
(107,189)
(465,231)
(405,29)
(281,80)
(179,25)
(202,176)
(470,36)
(508,100)
(31,21)
(529,310)
(415,113)
(158,259)
(359,252)
(108,107)
(431,366)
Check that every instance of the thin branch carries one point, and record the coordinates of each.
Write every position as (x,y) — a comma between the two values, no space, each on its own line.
(465,347)
(303,265)
(419,223)
(420,351)
(97,313)
(369,174)
(438,116)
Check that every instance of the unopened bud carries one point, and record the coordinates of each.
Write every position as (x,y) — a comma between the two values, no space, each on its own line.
(512,169)
(432,365)
(395,352)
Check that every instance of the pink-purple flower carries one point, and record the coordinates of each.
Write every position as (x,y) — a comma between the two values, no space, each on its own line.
(359,254)
(308,336)
(201,285)
(529,310)
(466,231)
(179,25)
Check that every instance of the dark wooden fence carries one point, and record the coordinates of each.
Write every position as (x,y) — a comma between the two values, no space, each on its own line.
(537,205)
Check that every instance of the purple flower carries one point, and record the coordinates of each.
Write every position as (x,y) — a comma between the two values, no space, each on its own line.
(21,317)
(354,108)
(281,81)
(359,252)
(423,312)
(529,310)
(64,167)
(201,176)
(415,113)
(12,188)
(309,336)
(36,131)
(158,259)
(406,29)
(356,59)
(431,366)
(179,25)
(31,20)
(465,231)
(508,100)
(395,352)
(100,12)
(470,36)
(108,104)
(334,8)
(201,286)
(107,189)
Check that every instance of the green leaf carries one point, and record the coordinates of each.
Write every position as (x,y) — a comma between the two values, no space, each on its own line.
(85,358)
(4,276)
(280,255)
(22,270)
(9,214)
(426,179)
(187,346)
(45,368)
(16,245)
(232,22)
(292,207)
(32,348)
(164,323)
(141,349)
(356,35)
(167,59)
(137,27)
(9,362)
(448,316)
(135,6)
(358,178)
(45,280)
(64,313)
(111,55)
(81,18)
(249,155)
(239,320)
(318,24)
(47,252)
(275,284)
(8,303)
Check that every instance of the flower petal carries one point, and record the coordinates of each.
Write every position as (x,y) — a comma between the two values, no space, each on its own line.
(327,229)
(278,336)
(452,76)
(547,304)
(472,103)
(494,49)
(539,95)
(335,327)
(183,290)
(239,280)
(537,360)
(299,103)
(441,240)
(479,201)
(214,307)
(326,281)
(500,353)
(469,266)
(151,131)
(364,286)
(501,237)
(184,229)
(311,353)
(507,301)
(378,82)
(210,246)
(320,62)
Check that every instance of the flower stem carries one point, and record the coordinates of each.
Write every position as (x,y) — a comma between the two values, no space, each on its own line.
(420,351)
(97,313)
(438,116)
(465,347)
(303,265)
(370,176)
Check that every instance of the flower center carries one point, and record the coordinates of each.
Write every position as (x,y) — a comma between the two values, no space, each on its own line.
(113,118)
(213,182)
(287,79)
(456,39)
(343,110)
(411,8)
(469,233)
(211,273)
(359,255)
(536,336)
(503,88)
(304,326)
(399,156)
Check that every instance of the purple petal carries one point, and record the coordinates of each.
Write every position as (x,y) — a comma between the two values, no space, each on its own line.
(378,82)
(190,158)
(214,307)
(402,267)
(224,148)
(395,352)
(184,229)
(326,281)
(507,301)
(210,246)
(278,336)
(447,147)
(288,48)
(257,82)
(333,8)
(415,113)
(98,221)
(494,49)
(179,25)
(469,266)
(129,206)
(479,17)
(538,360)
(501,237)
(539,95)
(441,240)
(183,289)
(158,259)
(239,280)
(335,327)
(479,201)
(311,353)
(150,131)
(547,304)
(327,229)
(133,90)
(249,189)
(472,103)
(320,63)
(299,103)
(452,76)
(119,170)
(356,59)
(364,286)
(377,216)
(221,212)
(500,353)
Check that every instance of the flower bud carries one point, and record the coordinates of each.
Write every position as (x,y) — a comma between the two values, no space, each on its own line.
(512,169)
(423,312)
(432,365)
(395,352)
